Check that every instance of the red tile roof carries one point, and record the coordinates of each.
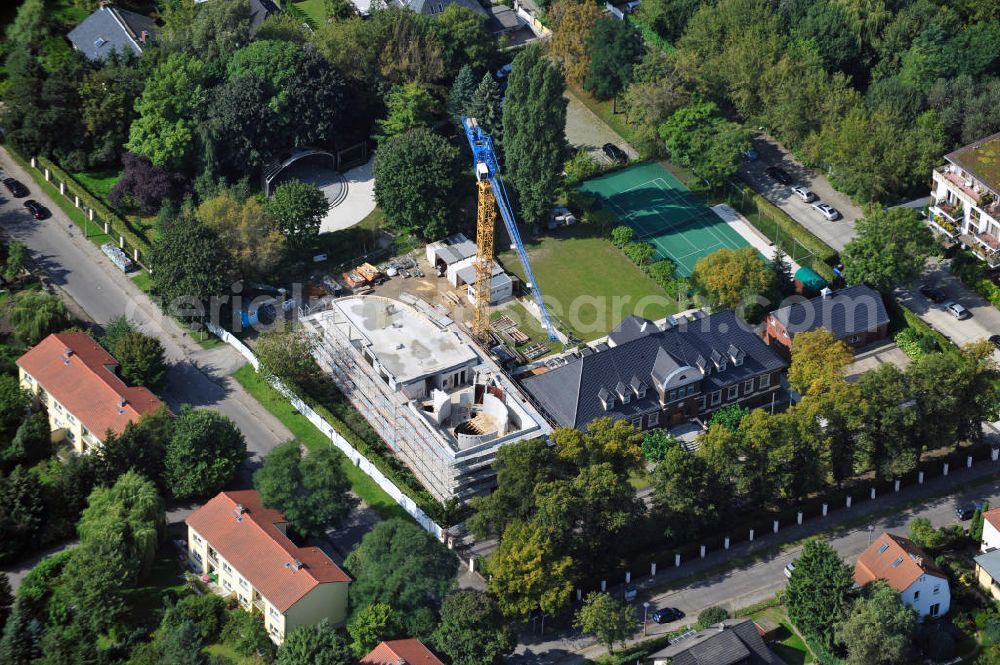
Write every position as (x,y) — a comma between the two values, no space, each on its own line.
(993,517)
(900,563)
(259,551)
(80,375)
(411,652)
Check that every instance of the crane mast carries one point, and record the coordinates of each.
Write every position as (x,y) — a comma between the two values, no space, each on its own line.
(492,191)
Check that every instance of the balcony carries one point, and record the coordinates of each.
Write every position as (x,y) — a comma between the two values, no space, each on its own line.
(988,241)
(952,211)
(964,185)
(212,556)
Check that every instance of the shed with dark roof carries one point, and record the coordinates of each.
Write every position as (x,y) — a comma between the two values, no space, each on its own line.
(109,30)
(856,315)
(732,642)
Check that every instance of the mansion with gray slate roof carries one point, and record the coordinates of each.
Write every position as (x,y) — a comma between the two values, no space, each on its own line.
(659,374)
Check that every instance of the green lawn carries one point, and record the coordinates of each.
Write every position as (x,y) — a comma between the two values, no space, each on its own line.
(788,645)
(589,284)
(312,438)
(98,183)
(314,10)
(144,281)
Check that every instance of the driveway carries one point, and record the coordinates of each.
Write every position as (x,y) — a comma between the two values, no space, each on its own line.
(985,319)
(835,234)
(82,273)
(588,132)
(870,357)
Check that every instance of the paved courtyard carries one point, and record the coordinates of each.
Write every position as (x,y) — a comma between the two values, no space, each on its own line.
(351,195)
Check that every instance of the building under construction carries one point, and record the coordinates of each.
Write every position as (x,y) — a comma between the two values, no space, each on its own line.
(440,403)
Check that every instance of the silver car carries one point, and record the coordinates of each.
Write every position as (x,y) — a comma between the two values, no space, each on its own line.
(804,193)
(828,211)
(958,311)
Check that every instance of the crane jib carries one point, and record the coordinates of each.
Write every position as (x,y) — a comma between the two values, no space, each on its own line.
(486,167)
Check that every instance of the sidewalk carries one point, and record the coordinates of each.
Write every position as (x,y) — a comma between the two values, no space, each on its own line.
(751,572)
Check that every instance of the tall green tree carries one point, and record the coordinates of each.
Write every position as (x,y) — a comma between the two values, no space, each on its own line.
(818,358)
(888,250)
(416,176)
(311,491)
(615,47)
(878,629)
(169,111)
(371,625)
(141,360)
(400,564)
(697,136)
(465,39)
(617,443)
(140,447)
(37,315)
(729,278)
(686,494)
(409,106)
(527,574)
(484,106)
(462,90)
(189,267)
(20,642)
(317,644)
(519,467)
(611,621)
(22,512)
(14,402)
(534,139)
(297,209)
(472,629)
(6,601)
(819,594)
(205,452)
(887,436)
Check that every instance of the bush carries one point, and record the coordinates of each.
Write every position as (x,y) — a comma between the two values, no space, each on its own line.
(621,236)
(915,343)
(711,616)
(580,167)
(205,612)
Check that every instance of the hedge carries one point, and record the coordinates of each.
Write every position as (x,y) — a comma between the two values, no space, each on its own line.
(972,272)
(117,223)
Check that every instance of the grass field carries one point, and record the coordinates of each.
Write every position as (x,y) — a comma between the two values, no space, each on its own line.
(312,438)
(664,213)
(589,284)
(314,10)
(98,184)
(788,645)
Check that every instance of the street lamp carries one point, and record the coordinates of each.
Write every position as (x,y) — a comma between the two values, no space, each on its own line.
(871,529)
(645,609)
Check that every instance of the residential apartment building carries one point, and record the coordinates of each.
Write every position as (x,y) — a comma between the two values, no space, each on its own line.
(243,549)
(660,374)
(401,652)
(74,379)
(991,530)
(905,567)
(965,198)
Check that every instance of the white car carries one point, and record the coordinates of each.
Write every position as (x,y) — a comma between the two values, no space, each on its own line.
(789,569)
(804,193)
(827,210)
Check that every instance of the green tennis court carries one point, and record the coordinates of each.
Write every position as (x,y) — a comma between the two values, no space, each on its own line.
(664,213)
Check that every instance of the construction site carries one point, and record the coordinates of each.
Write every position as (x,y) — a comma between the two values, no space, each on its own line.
(440,403)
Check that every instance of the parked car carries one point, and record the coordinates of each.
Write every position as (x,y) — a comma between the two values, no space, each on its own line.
(804,194)
(933,294)
(966,511)
(667,615)
(614,153)
(789,569)
(505,70)
(958,311)
(750,155)
(828,211)
(995,340)
(778,175)
(37,210)
(15,187)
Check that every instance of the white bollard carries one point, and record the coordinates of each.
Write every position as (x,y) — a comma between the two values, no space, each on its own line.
(873,494)
(751,535)
(848,502)
(628,577)
(995,454)
(34,164)
(920,477)
(604,585)
(62,188)
(799,518)
(121,241)
(652,569)
(472,565)
(76,200)
(776,526)
(945,468)
(897,484)
(726,543)
(968,462)
(677,560)
(702,551)
(825,509)
(90,214)
(135,255)
(579,595)
(107,228)
(46,174)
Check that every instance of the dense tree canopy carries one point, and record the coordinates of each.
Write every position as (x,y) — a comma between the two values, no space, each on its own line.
(189,265)
(472,630)
(731,278)
(205,451)
(819,594)
(889,249)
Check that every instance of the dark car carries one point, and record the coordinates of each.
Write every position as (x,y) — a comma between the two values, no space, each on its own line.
(932,294)
(667,615)
(614,153)
(15,187)
(778,175)
(995,340)
(37,210)
(968,510)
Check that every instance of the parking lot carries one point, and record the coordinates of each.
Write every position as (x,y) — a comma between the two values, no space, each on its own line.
(985,320)
(835,234)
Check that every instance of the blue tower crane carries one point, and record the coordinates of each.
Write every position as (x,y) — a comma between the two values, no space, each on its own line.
(491,188)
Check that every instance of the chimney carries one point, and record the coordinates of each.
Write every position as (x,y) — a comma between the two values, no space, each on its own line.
(67,352)
(143,36)
(239,511)
(826,292)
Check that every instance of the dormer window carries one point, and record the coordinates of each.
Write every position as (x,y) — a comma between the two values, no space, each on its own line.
(719,361)
(702,365)
(736,354)
(624,394)
(638,387)
(607,399)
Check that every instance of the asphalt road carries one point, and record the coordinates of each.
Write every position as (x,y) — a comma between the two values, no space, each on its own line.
(82,273)
(835,234)
(985,319)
